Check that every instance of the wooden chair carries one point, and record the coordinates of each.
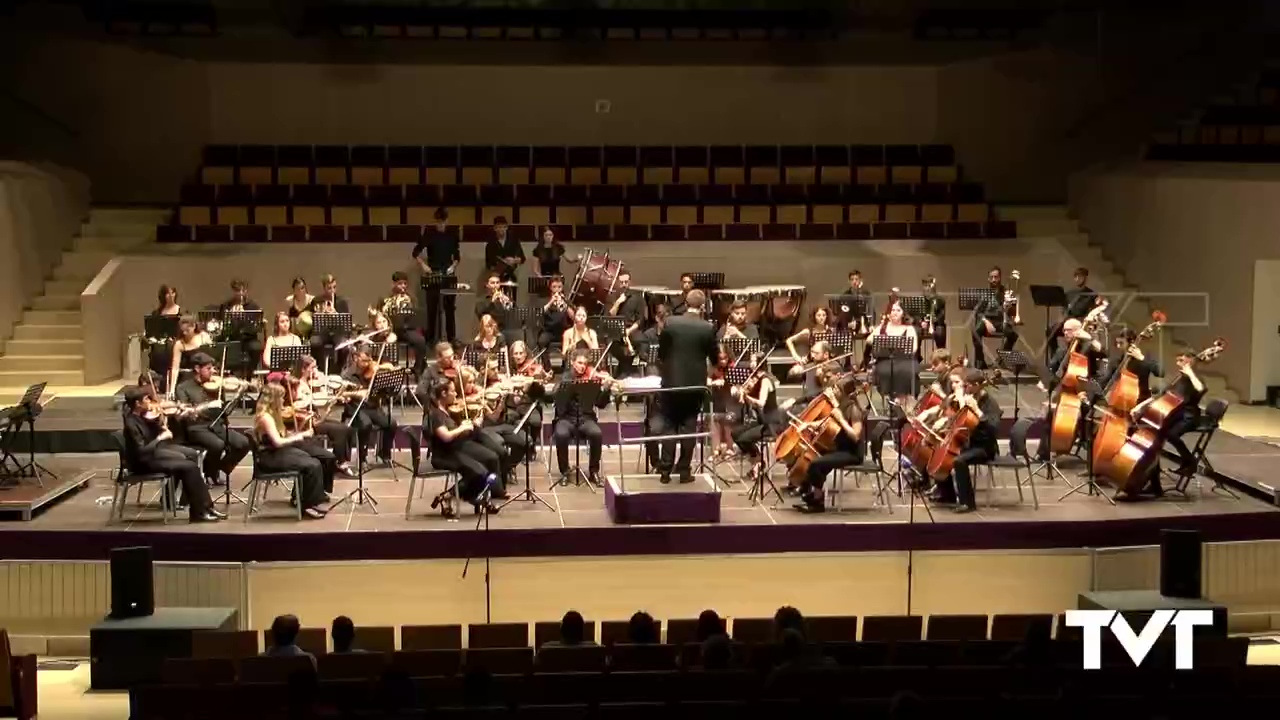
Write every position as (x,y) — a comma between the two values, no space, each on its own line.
(197,671)
(500,661)
(428,663)
(891,628)
(684,630)
(430,637)
(840,628)
(498,635)
(752,630)
(626,657)
(234,644)
(18,689)
(956,627)
(351,666)
(563,659)
(376,639)
(547,631)
(1016,628)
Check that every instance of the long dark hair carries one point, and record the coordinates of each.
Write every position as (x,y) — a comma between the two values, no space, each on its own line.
(165,290)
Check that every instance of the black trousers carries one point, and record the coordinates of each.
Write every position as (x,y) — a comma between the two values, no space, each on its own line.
(320,350)
(417,342)
(676,414)
(252,353)
(370,417)
(748,438)
(962,474)
(979,331)
(473,462)
(224,449)
(586,429)
(1187,421)
(172,460)
(532,428)
(439,304)
(340,436)
(822,466)
(328,463)
(292,458)
(160,360)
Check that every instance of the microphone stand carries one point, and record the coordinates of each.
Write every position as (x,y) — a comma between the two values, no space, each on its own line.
(483,499)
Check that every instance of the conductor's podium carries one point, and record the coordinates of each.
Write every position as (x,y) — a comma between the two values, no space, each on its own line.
(645,500)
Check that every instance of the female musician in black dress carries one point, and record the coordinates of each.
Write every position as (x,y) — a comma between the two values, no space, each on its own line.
(190,340)
(454,446)
(850,447)
(159,353)
(761,416)
(549,252)
(279,451)
(897,377)
(726,410)
(312,397)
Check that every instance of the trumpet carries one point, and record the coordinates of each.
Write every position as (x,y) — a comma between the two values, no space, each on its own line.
(558,303)
(326,306)
(501,298)
(1010,300)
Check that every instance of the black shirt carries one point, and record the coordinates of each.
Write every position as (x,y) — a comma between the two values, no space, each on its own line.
(939,309)
(567,407)
(1080,301)
(189,392)
(632,309)
(987,432)
(548,258)
(864,295)
(556,321)
(843,441)
(991,306)
(1058,364)
(139,441)
(495,249)
(339,304)
(1183,388)
(1143,369)
(750,331)
(441,247)
(437,418)
(500,314)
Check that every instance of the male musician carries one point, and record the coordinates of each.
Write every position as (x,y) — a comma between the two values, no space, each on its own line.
(1191,388)
(500,307)
(737,326)
(557,315)
(572,420)
(445,370)
(861,323)
(371,415)
(981,447)
(149,449)
(247,334)
(503,253)
(990,319)
(1139,364)
(398,308)
(681,306)
(685,349)
(934,322)
(629,305)
(443,255)
(328,301)
(224,448)
(940,366)
(1080,300)
(1092,350)
(819,354)
(529,378)
(649,336)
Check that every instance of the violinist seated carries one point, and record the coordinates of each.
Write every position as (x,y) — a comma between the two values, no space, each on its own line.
(1083,344)
(969,392)
(1138,363)
(500,307)
(1191,388)
(246,335)
(445,367)
(313,402)
(489,401)
(359,378)
(819,355)
(328,301)
(629,305)
(205,426)
(850,447)
(281,336)
(455,447)
(737,326)
(398,307)
(572,421)
(759,398)
(528,390)
(556,316)
(282,451)
(380,329)
(149,448)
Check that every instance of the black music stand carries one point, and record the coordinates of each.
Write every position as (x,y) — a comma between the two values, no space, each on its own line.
(889,348)
(1048,296)
(446,284)
(739,348)
(707,280)
(651,357)
(330,324)
(238,324)
(224,416)
(387,351)
(847,309)
(587,394)
(285,358)
(916,307)
(528,493)
(1015,362)
(1089,480)
(391,381)
(971,298)
(737,376)
(609,330)
(540,285)
(477,358)
(204,317)
(160,328)
(26,411)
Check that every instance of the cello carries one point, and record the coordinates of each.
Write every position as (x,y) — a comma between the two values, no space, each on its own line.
(1066,415)
(962,419)
(914,433)
(817,437)
(1122,398)
(1129,467)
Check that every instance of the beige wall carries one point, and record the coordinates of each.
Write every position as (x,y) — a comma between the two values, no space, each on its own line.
(40,211)
(1189,228)
(1263,365)
(102,323)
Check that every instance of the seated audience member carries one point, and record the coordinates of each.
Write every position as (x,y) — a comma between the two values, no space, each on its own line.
(787,618)
(284,638)
(573,631)
(717,653)
(709,625)
(797,656)
(343,633)
(642,630)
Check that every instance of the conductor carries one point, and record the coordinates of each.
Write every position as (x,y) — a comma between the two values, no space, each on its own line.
(685,347)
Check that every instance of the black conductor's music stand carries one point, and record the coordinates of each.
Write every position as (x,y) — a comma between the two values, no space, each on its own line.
(1015,362)
(446,286)
(576,395)
(285,357)
(1048,296)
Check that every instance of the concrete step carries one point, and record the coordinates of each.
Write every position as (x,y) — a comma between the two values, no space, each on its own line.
(42,363)
(56,302)
(63,347)
(64,287)
(24,378)
(81,264)
(134,216)
(51,317)
(47,332)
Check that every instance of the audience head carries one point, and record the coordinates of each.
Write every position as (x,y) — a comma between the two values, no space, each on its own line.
(792,644)
(717,653)
(284,630)
(709,625)
(343,633)
(787,618)
(641,629)
(572,628)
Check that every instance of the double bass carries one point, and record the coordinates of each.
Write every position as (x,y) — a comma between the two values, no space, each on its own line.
(1066,415)
(1122,398)
(1129,468)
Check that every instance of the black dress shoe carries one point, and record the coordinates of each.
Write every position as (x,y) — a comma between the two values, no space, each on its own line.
(812,508)
(664,478)
(219,515)
(686,477)
(594,478)
(313,513)
(204,518)
(963,509)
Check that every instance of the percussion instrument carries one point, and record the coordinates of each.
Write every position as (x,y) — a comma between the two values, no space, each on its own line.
(594,281)
(781,306)
(723,300)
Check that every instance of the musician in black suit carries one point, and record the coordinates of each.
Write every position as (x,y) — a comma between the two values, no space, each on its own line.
(329,302)
(442,257)
(681,306)
(1080,300)
(990,319)
(630,306)
(685,348)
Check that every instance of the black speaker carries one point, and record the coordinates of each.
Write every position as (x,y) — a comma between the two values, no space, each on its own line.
(1180,563)
(132,590)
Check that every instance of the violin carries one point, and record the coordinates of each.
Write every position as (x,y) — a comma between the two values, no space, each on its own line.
(229,383)
(374,368)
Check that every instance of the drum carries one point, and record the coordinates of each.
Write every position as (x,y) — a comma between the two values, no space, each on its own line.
(782,306)
(594,281)
(662,296)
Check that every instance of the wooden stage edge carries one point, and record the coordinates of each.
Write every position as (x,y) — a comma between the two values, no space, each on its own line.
(26,497)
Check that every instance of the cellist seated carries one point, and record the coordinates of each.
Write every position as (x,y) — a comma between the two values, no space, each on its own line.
(981,446)
(1079,342)
(850,447)
(1186,418)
